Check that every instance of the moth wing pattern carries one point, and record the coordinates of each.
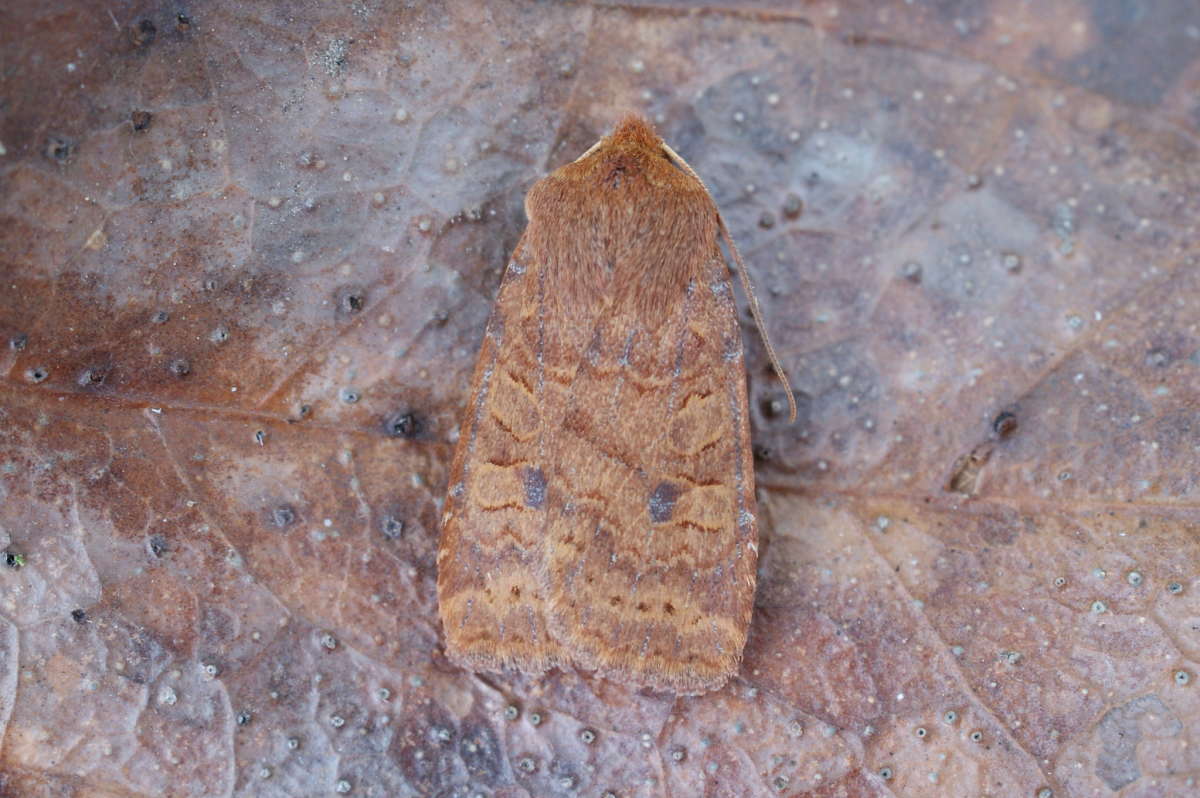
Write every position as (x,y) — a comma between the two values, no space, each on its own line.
(601,505)
(657,423)
(491,573)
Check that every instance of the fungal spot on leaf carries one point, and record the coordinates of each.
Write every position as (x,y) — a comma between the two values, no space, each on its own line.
(792,206)
(349,300)
(534,480)
(661,504)
(141,120)
(402,424)
(143,33)
(1120,731)
(1004,424)
(59,148)
(1158,358)
(773,406)
(964,477)
(157,544)
(92,377)
(1010,657)
(392,527)
(283,516)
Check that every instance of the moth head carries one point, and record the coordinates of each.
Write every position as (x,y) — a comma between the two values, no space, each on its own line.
(634,130)
(634,150)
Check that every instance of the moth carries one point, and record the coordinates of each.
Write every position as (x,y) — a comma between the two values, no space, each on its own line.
(601,508)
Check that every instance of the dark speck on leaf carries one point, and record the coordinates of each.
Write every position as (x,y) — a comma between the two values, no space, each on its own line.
(1005,424)
(59,148)
(283,516)
(392,527)
(143,33)
(402,425)
(350,300)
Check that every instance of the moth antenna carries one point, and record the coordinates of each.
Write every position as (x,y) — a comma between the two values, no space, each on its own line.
(590,150)
(758,320)
(755,311)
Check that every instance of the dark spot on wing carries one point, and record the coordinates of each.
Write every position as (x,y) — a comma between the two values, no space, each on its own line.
(535,488)
(662,502)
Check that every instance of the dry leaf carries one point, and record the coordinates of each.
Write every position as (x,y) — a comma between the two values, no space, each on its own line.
(247,253)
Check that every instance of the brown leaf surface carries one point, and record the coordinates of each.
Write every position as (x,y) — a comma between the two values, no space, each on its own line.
(247,252)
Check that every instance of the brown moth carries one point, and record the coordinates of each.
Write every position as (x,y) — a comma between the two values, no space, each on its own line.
(601,509)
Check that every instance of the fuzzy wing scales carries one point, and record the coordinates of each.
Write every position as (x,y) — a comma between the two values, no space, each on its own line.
(651,537)
(601,505)
(492,584)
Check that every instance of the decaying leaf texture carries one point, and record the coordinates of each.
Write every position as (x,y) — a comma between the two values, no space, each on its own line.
(601,508)
(951,211)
